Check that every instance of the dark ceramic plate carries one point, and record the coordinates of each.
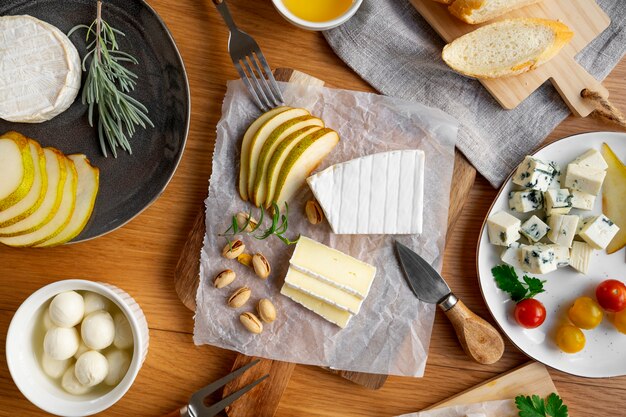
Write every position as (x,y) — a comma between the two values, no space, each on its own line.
(128,183)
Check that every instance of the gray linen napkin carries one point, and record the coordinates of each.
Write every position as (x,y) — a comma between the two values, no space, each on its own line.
(395,50)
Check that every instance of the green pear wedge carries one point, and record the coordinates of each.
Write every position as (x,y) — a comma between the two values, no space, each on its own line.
(16,169)
(278,158)
(301,161)
(261,135)
(278,135)
(31,202)
(244,166)
(86,192)
(56,172)
(60,219)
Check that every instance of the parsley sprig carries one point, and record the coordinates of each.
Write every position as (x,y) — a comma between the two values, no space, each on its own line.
(508,281)
(538,407)
(278,227)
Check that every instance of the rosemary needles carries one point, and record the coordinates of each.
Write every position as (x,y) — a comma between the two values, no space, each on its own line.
(278,227)
(108,85)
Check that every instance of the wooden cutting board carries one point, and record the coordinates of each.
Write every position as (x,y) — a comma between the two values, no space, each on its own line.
(531,378)
(263,400)
(584,17)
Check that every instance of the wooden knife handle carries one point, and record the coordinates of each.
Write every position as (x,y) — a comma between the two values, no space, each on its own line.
(479,339)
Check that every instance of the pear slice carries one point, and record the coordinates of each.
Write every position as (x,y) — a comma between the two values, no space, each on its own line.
(58,221)
(301,161)
(244,166)
(31,202)
(16,169)
(56,172)
(86,192)
(613,197)
(261,135)
(270,145)
(278,158)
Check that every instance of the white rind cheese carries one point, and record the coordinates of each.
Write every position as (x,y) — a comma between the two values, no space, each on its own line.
(40,70)
(377,194)
(333,314)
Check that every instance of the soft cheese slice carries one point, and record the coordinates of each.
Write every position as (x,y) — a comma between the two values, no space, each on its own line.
(40,70)
(332,314)
(333,267)
(323,291)
(376,194)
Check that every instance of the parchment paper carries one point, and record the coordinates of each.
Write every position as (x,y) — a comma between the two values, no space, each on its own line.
(503,408)
(391,333)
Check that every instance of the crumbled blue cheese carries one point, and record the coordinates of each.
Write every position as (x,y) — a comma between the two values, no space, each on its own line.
(585,179)
(538,259)
(582,201)
(512,256)
(556,175)
(598,231)
(591,159)
(580,256)
(525,201)
(503,228)
(563,228)
(533,173)
(534,229)
(557,201)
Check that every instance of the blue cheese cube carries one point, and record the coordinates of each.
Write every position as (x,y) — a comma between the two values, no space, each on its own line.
(533,173)
(591,159)
(582,201)
(563,228)
(561,253)
(512,256)
(525,201)
(580,256)
(503,229)
(534,229)
(584,179)
(538,259)
(557,201)
(556,175)
(599,231)
(582,221)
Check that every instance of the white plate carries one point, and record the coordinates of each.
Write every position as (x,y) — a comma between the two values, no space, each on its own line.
(604,353)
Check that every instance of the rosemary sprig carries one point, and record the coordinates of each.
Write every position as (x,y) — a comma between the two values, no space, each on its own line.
(278,227)
(108,84)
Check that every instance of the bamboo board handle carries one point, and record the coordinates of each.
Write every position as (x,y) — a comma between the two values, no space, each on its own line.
(479,339)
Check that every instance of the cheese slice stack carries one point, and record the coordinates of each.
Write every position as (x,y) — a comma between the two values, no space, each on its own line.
(377,194)
(327,281)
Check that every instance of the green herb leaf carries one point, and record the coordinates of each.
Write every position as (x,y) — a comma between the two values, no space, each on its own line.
(278,227)
(508,281)
(535,286)
(555,406)
(536,407)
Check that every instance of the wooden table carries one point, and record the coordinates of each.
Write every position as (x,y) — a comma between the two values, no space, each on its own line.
(141,257)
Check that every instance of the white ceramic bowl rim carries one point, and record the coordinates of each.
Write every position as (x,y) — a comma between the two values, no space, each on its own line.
(329,24)
(23,378)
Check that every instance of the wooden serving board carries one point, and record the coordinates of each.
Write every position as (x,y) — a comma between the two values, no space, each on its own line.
(584,17)
(263,400)
(531,378)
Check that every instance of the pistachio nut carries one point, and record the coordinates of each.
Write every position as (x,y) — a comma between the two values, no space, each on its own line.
(251,322)
(224,278)
(314,212)
(233,249)
(261,266)
(242,220)
(267,311)
(239,297)
(245,259)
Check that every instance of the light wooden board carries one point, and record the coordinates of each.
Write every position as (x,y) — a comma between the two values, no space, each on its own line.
(584,17)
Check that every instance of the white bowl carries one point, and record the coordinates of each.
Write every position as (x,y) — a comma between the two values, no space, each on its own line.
(305,24)
(24,363)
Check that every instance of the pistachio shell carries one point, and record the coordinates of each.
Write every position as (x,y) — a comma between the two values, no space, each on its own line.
(233,249)
(239,297)
(251,322)
(224,278)
(314,212)
(261,266)
(267,311)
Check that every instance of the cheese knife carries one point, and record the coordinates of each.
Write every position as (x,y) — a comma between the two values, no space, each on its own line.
(479,339)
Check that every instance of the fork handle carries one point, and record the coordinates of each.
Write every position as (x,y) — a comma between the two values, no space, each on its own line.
(228,19)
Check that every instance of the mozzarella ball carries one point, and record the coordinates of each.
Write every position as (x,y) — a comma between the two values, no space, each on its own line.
(123,333)
(91,368)
(94,302)
(71,384)
(54,368)
(98,330)
(61,343)
(82,348)
(119,362)
(67,309)
(47,321)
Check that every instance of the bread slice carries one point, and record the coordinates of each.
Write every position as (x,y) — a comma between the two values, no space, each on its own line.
(508,47)
(478,11)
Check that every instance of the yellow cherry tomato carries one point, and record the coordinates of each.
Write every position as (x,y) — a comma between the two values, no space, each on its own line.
(619,320)
(570,339)
(586,313)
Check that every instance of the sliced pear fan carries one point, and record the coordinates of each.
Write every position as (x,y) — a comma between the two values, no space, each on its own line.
(614,197)
(16,169)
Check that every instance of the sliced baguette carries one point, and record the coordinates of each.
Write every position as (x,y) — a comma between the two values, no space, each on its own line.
(478,11)
(508,47)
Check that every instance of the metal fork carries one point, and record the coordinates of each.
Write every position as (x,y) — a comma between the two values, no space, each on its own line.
(246,55)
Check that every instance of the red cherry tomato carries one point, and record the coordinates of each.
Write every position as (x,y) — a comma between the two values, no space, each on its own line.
(530,313)
(611,295)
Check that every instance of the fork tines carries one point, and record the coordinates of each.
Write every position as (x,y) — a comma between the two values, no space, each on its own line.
(259,80)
